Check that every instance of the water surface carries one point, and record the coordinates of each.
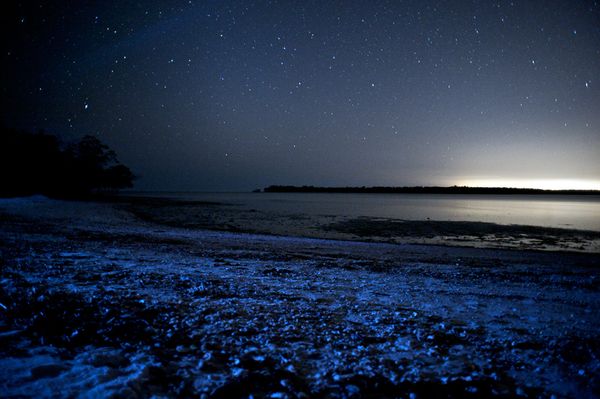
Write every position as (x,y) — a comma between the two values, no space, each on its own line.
(576,212)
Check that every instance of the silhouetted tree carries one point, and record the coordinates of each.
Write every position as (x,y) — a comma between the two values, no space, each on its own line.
(96,167)
(37,164)
(118,176)
(425,190)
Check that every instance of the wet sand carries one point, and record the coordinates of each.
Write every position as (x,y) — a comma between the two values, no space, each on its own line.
(134,299)
(228,217)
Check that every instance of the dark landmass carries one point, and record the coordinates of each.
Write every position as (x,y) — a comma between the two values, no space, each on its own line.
(39,163)
(426,190)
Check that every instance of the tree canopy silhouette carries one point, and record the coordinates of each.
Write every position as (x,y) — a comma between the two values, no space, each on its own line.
(37,163)
(425,190)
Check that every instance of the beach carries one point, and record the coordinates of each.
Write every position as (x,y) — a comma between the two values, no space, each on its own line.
(140,297)
(546,223)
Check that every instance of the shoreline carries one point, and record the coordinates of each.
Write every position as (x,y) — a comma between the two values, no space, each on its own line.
(96,300)
(231,217)
(427,190)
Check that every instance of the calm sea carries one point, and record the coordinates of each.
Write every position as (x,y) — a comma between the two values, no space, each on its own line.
(578,212)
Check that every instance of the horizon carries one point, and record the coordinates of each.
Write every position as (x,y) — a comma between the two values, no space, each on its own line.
(499,187)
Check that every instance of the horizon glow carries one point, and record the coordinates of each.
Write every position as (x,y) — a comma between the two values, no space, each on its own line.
(543,184)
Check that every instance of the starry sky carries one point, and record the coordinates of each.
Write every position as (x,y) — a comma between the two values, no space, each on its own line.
(236,95)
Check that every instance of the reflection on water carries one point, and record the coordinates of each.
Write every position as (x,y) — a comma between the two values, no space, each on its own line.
(578,212)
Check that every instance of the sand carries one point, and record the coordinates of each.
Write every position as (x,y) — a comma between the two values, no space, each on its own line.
(101,299)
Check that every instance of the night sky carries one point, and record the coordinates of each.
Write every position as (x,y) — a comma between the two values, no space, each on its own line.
(219,95)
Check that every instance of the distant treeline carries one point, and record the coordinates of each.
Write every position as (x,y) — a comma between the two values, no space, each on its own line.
(38,163)
(425,190)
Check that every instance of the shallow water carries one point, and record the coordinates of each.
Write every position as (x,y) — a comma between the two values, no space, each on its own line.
(577,212)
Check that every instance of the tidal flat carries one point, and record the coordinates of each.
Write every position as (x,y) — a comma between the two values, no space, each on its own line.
(142,297)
